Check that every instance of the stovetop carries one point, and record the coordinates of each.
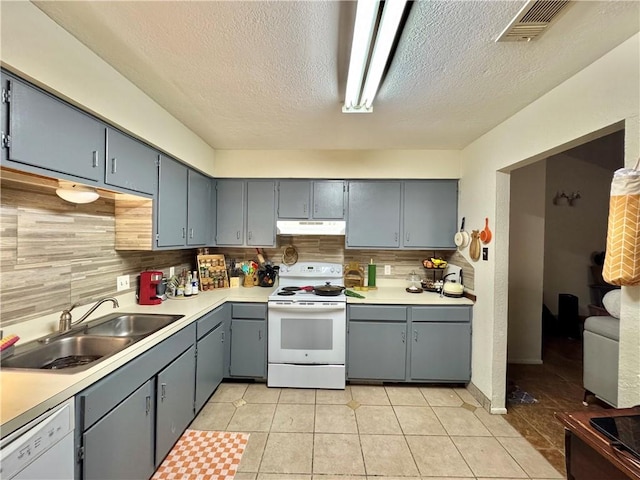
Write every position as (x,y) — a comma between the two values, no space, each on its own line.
(308,274)
(291,294)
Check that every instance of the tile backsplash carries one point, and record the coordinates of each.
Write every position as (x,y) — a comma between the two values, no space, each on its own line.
(54,253)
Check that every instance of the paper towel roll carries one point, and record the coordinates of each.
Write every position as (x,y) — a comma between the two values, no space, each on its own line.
(371,275)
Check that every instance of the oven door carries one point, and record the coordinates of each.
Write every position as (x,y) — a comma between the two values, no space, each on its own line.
(307,332)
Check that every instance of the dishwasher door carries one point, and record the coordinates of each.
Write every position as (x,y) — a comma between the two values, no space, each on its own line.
(42,449)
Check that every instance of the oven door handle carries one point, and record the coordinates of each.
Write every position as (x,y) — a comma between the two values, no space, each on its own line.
(311,306)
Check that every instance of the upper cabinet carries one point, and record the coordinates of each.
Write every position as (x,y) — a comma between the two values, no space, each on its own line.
(373,219)
(245,213)
(183,206)
(430,213)
(130,163)
(311,199)
(40,131)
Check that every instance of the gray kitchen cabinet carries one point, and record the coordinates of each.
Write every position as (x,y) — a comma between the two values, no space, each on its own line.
(441,344)
(172,203)
(311,199)
(210,353)
(120,445)
(130,164)
(248,340)
(174,399)
(230,206)
(46,133)
(328,199)
(376,342)
(198,209)
(294,199)
(377,350)
(430,213)
(373,219)
(261,213)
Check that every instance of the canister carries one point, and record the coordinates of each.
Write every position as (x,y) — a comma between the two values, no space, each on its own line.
(371,274)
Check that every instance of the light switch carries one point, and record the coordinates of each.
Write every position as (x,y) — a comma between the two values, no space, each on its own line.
(485,253)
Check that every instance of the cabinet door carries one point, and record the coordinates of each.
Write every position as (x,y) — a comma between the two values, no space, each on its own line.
(198,209)
(174,400)
(248,348)
(120,445)
(377,350)
(48,133)
(430,213)
(293,198)
(230,212)
(328,200)
(261,214)
(209,365)
(130,164)
(172,203)
(374,214)
(441,351)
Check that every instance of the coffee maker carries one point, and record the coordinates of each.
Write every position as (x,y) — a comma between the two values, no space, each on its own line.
(147,287)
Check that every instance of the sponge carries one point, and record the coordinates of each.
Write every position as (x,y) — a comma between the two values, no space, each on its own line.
(6,342)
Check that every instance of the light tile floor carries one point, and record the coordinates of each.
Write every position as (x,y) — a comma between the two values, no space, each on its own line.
(369,432)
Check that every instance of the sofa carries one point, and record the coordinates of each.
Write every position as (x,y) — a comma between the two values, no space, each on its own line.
(600,350)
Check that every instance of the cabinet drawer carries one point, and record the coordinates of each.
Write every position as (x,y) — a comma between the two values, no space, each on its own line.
(101,397)
(249,310)
(210,321)
(441,314)
(383,313)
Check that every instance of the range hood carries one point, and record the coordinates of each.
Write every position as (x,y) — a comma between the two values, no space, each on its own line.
(310,227)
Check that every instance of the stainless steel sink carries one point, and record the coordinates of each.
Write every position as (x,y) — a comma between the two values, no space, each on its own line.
(70,353)
(83,347)
(130,324)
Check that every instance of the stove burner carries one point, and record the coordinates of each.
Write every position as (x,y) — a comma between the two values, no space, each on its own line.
(291,289)
(287,292)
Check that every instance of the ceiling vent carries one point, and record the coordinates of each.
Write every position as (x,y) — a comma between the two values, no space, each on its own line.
(532,20)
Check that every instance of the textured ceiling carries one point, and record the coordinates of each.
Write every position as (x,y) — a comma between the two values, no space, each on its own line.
(271,75)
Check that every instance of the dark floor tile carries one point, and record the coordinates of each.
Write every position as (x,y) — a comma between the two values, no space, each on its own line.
(556,458)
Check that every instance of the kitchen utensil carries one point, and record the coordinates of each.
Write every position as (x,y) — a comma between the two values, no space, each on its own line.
(328,290)
(289,255)
(453,289)
(350,293)
(485,234)
(260,257)
(474,246)
(461,238)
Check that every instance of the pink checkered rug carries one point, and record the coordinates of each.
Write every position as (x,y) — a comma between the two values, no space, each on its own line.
(203,455)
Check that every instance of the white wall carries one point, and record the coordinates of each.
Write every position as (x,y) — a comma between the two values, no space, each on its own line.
(573,233)
(37,48)
(526,254)
(338,163)
(603,94)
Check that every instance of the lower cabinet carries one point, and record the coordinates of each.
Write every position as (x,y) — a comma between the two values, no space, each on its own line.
(409,343)
(120,445)
(209,364)
(248,340)
(174,402)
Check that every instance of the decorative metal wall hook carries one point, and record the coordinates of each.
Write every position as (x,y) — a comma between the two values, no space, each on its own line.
(570,198)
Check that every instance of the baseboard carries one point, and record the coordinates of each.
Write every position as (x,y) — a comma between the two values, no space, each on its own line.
(525,361)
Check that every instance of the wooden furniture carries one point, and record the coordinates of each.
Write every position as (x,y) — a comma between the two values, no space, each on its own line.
(589,454)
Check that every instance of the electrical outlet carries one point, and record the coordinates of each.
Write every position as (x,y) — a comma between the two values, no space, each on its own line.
(485,253)
(172,271)
(387,269)
(122,283)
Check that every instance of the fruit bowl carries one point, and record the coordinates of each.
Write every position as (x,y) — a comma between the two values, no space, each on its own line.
(434,263)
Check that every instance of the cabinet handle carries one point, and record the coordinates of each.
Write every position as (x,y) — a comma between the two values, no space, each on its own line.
(163,391)
(415,335)
(191,233)
(222,338)
(114,165)
(95,158)
(407,236)
(184,232)
(395,237)
(259,334)
(315,208)
(249,235)
(404,337)
(304,208)
(148,405)
(238,234)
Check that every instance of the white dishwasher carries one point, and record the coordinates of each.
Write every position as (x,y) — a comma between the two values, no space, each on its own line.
(42,449)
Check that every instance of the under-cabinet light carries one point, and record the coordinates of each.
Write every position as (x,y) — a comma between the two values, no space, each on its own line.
(76,193)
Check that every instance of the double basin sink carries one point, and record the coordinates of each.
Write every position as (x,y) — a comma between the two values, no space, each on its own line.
(84,346)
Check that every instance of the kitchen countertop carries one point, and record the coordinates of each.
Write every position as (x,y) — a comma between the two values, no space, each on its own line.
(26,394)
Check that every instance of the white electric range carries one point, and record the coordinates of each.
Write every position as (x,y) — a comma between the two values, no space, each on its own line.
(307,331)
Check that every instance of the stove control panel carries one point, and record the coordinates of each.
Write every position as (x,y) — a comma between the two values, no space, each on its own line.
(311,270)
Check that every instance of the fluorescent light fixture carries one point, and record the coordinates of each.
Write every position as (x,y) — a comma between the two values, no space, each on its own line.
(76,193)
(362,90)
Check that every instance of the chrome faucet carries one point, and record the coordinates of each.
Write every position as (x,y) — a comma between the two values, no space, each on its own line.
(65,318)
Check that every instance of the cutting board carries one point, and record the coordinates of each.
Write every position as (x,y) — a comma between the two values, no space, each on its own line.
(474,246)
